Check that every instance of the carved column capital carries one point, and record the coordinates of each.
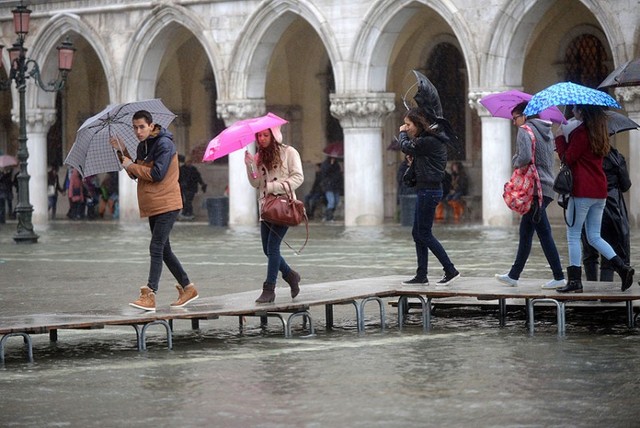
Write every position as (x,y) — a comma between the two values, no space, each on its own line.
(474,98)
(233,110)
(38,120)
(362,110)
(630,97)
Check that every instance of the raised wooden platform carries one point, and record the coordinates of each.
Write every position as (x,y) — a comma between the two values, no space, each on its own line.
(357,292)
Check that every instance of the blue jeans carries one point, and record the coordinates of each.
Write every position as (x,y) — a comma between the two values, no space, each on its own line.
(160,250)
(536,220)
(272,235)
(588,212)
(332,199)
(426,203)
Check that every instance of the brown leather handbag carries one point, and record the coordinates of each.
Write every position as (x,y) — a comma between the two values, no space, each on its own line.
(284,209)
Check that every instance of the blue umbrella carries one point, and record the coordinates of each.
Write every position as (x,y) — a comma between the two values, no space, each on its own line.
(567,93)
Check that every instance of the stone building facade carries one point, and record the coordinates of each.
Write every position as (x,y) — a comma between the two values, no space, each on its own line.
(335,70)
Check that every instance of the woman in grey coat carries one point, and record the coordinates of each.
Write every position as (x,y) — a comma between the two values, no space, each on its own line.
(536,219)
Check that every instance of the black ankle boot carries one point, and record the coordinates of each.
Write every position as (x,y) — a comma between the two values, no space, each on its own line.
(268,293)
(574,283)
(293,279)
(625,272)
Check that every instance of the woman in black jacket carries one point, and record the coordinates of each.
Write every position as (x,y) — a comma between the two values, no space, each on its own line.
(427,144)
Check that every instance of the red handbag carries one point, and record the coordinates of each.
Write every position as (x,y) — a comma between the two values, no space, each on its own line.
(283,210)
(519,190)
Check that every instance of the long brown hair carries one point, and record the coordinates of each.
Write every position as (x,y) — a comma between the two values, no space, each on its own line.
(418,118)
(269,156)
(595,120)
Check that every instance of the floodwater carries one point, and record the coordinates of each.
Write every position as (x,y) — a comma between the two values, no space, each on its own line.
(468,371)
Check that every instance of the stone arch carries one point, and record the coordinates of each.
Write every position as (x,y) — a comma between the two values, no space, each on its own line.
(148,45)
(267,24)
(376,40)
(44,52)
(507,47)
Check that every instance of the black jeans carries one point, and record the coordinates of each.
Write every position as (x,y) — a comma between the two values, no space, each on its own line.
(160,250)
(426,204)
(536,220)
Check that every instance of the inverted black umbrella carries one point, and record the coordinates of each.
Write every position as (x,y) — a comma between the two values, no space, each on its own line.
(628,74)
(427,96)
(617,122)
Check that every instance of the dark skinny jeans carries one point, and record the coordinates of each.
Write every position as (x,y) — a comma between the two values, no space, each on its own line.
(272,235)
(160,250)
(536,220)
(426,204)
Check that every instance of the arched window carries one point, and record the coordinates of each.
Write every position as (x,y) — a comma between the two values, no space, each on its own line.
(586,61)
(445,70)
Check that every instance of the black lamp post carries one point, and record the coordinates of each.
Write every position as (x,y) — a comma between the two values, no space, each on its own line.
(23,68)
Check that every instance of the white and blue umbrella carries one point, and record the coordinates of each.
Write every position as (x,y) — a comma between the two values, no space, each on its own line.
(567,93)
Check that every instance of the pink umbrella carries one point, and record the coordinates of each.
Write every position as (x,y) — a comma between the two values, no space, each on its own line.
(334,150)
(239,135)
(501,104)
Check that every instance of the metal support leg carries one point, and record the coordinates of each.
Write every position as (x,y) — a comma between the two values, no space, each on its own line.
(502,305)
(141,334)
(560,311)
(195,324)
(328,314)
(27,341)
(305,316)
(630,317)
(426,311)
(360,310)
(53,335)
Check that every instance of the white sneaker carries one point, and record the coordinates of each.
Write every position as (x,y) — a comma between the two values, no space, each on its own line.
(507,280)
(554,283)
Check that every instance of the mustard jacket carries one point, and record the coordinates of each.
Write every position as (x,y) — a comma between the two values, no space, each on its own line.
(157,170)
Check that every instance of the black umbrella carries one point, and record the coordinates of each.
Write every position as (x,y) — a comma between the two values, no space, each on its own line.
(617,122)
(427,96)
(628,74)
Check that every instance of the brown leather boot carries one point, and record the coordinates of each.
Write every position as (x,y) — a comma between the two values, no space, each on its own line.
(268,293)
(146,301)
(293,279)
(185,295)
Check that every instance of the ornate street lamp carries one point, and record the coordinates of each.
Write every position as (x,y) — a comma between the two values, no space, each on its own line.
(23,68)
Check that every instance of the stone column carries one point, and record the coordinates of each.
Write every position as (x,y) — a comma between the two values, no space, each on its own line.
(362,117)
(243,205)
(38,123)
(496,163)
(630,100)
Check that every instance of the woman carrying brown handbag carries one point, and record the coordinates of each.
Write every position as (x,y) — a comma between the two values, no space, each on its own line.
(274,169)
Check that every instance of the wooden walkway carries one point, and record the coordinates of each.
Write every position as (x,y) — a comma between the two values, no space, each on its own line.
(357,292)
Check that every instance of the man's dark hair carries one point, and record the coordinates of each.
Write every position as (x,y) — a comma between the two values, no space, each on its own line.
(143,114)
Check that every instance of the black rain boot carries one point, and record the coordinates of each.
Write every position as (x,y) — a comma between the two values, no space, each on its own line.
(268,293)
(574,283)
(625,272)
(293,279)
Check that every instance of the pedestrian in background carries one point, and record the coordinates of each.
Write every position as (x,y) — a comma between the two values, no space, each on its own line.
(331,184)
(53,188)
(615,220)
(190,179)
(156,171)
(279,172)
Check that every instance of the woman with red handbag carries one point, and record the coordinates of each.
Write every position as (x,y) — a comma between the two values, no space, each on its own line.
(275,169)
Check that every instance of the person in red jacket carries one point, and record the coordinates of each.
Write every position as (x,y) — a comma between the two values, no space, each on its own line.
(584,151)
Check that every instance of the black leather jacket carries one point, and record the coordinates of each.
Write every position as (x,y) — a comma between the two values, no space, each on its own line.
(429,153)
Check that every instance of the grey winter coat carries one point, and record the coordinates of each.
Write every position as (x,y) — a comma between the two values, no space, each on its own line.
(545,148)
